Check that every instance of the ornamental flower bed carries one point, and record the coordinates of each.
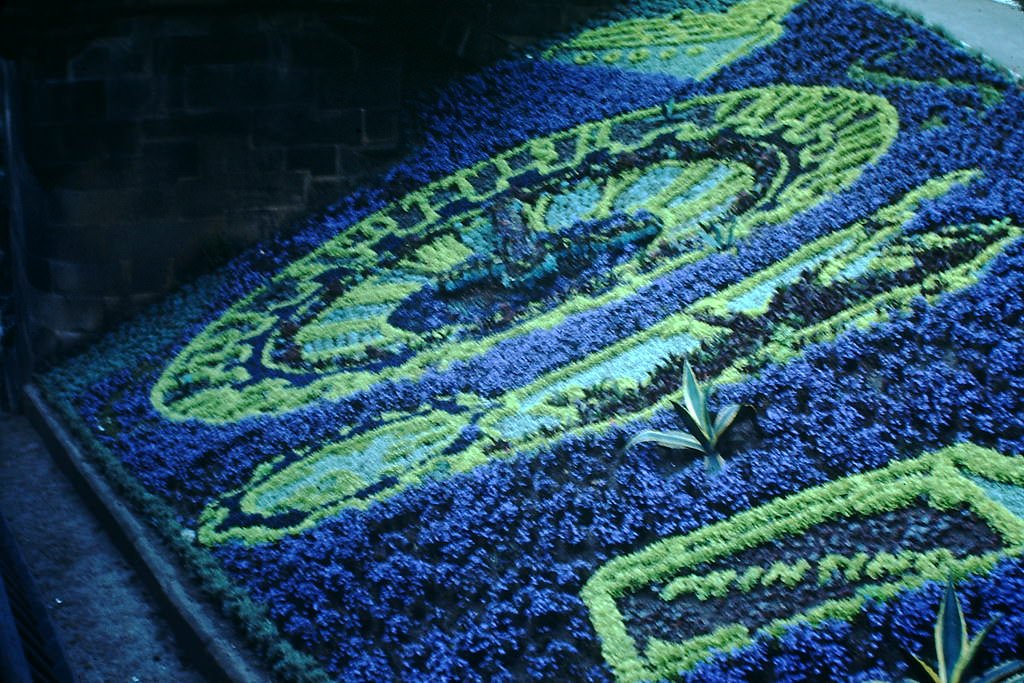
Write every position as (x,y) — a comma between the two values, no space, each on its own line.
(392,445)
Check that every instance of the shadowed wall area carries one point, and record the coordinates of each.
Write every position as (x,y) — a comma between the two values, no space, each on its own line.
(148,140)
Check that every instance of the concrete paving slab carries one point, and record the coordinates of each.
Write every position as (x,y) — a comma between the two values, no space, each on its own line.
(994,28)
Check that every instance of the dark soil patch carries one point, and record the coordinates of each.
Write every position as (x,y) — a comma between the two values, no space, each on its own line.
(918,528)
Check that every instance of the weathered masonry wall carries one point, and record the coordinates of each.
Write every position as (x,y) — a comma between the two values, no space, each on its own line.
(153,138)
(159,143)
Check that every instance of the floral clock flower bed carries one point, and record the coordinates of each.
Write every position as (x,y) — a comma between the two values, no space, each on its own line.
(392,445)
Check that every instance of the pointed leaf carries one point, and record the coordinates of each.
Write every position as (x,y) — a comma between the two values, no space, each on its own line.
(709,426)
(1007,672)
(725,417)
(950,634)
(694,399)
(692,427)
(677,440)
(970,650)
(927,669)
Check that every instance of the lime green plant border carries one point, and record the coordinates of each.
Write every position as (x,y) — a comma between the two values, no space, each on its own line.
(324,476)
(754,23)
(840,131)
(936,478)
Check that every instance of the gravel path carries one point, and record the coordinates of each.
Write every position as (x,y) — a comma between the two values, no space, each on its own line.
(99,605)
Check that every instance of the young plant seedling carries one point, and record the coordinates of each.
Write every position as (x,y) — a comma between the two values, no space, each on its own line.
(703,433)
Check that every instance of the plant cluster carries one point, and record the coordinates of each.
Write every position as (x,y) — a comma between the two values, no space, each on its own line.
(332,459)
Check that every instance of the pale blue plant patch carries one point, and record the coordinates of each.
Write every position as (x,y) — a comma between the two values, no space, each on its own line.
(573,205)
(756,298)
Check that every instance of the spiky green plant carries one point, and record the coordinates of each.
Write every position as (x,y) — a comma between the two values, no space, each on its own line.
(721,238)
(954,651)
(703,433)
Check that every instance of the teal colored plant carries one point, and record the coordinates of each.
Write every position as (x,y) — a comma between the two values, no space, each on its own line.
(703,433)
(954,651)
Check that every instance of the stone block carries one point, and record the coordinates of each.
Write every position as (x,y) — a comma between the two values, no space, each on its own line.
(54,175)
(170,92)
(69,312)
(78,142)
(171,26)
(306,125)
(229,161)
(317,46)
(339,89)
(92,62)
(381,128)
(153,274)
(87,100)
(130,97)
(240,86)
(169,160)
(82,141)
(370,86)
(264,160)
(109,57)
(96,207)
(222,44)
(48,101)
(196,125)
(67,242)
(246,227)
(319,160)
(268,189)
(90,278)
(325,191)
(152,203)
(280,125)
(44,144)
(355,163)
(103,172)
(199,198)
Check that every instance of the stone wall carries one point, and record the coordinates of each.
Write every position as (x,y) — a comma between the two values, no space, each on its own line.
(158,137)
(163,142)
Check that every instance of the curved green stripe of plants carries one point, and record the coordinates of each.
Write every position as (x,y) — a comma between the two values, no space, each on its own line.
(658,40)
(492,415)
(209,380)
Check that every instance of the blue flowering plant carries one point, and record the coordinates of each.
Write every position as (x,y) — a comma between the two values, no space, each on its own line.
(390,442)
